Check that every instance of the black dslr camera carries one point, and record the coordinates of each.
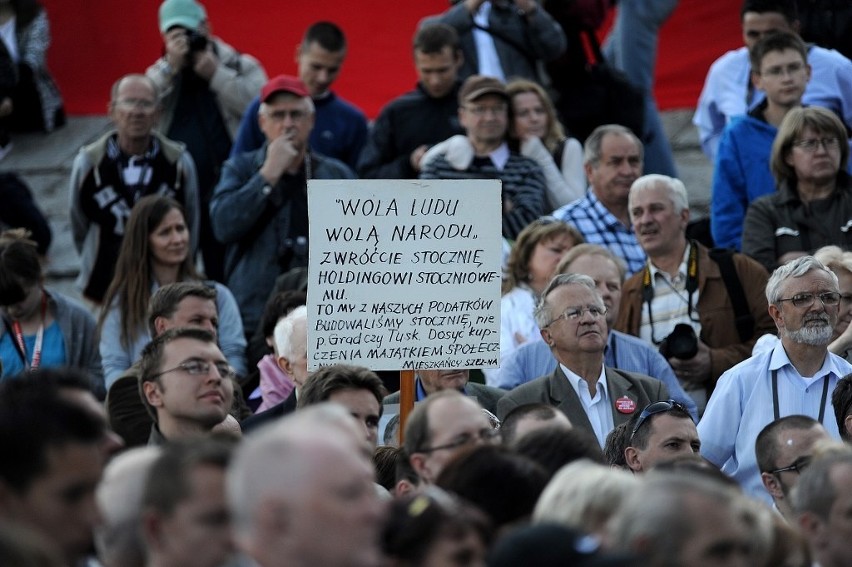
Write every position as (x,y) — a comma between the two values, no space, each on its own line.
(682,343)
(197,42)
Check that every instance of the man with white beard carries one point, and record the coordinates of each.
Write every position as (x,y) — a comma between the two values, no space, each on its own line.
(794,378)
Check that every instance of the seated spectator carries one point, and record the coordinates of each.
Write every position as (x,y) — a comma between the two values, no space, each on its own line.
(841,401)
(430,381)
(779,64)
(118,540)
(813,204)
(499,482)
(728,92)
(534,359)
(41,328)
(111,174)
(583,496)
(539,135)
(435,528)
(340,128)
(551,545)
(529,418)
(503,38)
(484,115)
(783,449)
(712,307)
(31,101)
(442,426)
(206,86)
(555,447)
(260,207)
(186,384)
(185,518)
(356,388)
(571,315)
(407,126)
(532,264)
(155,252)
(662,432)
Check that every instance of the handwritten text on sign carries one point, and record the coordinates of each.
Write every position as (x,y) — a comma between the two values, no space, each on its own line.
(404,274)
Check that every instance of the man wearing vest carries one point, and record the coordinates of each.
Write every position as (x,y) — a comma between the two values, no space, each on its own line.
(703,309)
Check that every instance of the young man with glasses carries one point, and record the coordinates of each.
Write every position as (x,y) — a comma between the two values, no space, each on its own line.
(662,432)
(186,383)
(111,174)
(784,448)
(794,378)
(571,316)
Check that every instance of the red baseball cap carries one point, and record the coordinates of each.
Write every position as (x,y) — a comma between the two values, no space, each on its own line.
(283,84)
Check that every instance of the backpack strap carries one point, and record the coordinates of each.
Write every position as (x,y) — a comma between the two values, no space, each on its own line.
(743,319)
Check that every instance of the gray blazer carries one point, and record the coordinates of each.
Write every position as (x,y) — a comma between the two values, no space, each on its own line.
(485,395)
(555,390)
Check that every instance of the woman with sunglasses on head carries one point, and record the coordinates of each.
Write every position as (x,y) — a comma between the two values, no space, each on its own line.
(41,328)
(813,204)
(155,251)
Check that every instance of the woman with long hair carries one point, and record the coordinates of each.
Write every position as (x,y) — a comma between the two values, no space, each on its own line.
(41,328)
(156,252)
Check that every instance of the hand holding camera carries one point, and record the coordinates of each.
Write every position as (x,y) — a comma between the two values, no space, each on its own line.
(688,356)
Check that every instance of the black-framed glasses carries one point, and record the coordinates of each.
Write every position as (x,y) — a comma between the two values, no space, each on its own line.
(798,466)
(653,409)
(202,368)
(484,435)
(829,299)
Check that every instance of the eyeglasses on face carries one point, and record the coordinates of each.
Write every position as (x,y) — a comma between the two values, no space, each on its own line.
(484,435)
(829,299)
(136,103)
(782,70)
(798,466)
(281,115)
(574,313)
(202,368)
(479,111)
(653,409)
(811,144)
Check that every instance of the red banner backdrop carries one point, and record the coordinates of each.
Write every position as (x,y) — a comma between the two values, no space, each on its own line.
(96,41)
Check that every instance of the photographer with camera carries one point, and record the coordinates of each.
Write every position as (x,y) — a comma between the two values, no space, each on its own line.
(703,309)
(260,206)
(206,86)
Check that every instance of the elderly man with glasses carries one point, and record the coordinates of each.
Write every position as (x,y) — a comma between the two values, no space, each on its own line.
(795,377)
(571,316)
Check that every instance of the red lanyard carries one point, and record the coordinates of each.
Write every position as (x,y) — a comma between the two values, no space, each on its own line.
(19,338)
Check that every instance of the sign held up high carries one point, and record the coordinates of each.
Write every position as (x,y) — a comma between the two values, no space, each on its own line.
(404,274)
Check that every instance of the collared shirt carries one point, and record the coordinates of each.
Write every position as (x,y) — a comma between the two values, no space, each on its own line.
(599,226)
(598,408)
(486,51)
(742,405)
(670,305)
(625,352)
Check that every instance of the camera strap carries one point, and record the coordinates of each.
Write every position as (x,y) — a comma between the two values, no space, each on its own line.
(691,286)
(775,408)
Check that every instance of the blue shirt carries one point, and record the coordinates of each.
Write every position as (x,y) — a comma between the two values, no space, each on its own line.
(52,351)
(599,226)
(625,352)
(742,405)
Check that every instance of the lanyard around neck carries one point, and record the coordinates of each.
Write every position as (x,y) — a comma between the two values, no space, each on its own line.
(18,336)
(775,404)
(691,287)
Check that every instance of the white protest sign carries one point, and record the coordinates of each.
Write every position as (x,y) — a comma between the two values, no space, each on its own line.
(404,274)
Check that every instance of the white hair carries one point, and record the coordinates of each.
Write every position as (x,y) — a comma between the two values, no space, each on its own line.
(285,329)
(675,189)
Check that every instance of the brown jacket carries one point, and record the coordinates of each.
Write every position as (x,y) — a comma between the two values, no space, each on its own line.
(715,311)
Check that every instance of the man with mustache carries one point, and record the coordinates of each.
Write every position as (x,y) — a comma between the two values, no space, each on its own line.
(795,377)
(683,285)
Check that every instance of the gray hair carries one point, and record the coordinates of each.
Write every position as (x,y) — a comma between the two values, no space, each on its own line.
(583,495)
(835,258)
(794,269)
(592,145)
(307,101)
(542,314)
(284,330)
(675,189)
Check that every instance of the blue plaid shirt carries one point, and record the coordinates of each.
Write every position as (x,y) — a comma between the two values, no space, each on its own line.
(599,226)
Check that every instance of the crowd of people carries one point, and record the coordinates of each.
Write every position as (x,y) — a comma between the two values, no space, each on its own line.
(666,396)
